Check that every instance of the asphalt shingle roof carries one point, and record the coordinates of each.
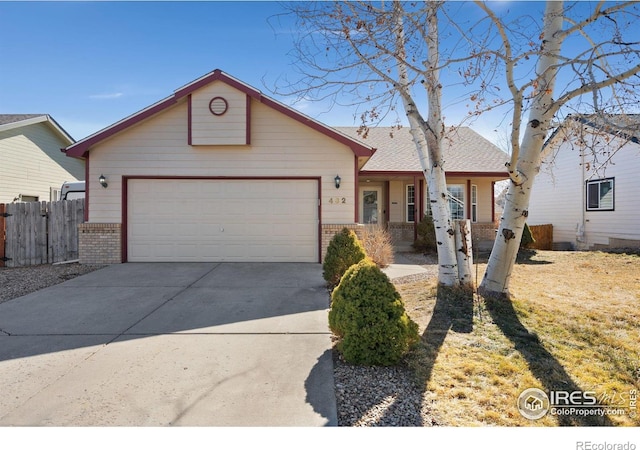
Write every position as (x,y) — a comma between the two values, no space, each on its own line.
(464,151)
(12,118)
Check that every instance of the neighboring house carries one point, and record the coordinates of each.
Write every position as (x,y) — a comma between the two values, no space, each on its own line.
(392,188)
(587,188)
(32,168)
(218,171)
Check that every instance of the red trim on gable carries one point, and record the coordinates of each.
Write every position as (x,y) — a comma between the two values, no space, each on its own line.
(356,148)
(82,147)
(216,75)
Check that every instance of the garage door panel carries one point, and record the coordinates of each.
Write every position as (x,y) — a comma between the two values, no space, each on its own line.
(222,220)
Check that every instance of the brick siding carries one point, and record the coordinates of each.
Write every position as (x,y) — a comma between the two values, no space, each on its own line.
(100,243)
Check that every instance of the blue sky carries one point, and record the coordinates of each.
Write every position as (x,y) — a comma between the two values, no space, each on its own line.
(90,64)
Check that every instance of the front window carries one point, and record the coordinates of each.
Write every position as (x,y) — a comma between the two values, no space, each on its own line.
(600,195)
(456,201)
(411,203)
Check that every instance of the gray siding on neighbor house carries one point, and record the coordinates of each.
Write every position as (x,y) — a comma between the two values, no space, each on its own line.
(558,195)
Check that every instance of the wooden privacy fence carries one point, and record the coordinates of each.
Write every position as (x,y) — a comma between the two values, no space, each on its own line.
(39,232)
(543,234)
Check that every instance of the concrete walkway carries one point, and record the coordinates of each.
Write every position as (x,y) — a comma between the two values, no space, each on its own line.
(402,267)
(171,344)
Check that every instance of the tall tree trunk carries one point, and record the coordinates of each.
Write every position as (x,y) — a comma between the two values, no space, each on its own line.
(427,136)
(464,252)
(526,158)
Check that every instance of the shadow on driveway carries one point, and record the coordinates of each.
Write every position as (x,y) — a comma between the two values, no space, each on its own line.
(171,343)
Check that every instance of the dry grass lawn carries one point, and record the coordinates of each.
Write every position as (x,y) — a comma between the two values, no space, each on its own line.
(573,323)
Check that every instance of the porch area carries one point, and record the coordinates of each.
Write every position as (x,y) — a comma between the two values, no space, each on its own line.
(399,201)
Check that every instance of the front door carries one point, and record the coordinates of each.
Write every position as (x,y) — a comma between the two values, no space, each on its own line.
(371,205)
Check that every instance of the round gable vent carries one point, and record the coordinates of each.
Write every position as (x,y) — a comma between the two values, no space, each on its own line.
(218,106)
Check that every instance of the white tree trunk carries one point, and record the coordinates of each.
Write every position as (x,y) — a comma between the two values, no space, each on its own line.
(440,212)
(505,249)
(464,253)
(427,136)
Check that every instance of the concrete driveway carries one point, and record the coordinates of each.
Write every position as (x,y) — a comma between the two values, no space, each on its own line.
(189,344)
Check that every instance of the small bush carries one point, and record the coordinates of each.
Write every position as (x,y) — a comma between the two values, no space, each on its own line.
(378,246)
(426,240)
(368,317)
(527,237)
(343,251)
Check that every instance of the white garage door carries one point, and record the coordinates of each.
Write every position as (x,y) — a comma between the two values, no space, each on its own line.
(222,220)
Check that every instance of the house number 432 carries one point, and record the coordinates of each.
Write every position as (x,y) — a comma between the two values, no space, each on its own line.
(337,200)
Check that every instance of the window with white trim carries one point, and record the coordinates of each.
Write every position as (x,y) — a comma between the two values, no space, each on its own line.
(474,203)
(411,203)
(600,195)
(456,201)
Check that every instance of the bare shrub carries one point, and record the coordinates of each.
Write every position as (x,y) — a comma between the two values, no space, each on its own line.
(378,246)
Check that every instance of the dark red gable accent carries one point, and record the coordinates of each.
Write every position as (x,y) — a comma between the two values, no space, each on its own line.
(79,149)
(216,75)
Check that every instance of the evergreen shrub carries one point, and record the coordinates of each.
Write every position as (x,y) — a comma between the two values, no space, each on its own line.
(426,240)
(527,237)
(368,317)
(343,251)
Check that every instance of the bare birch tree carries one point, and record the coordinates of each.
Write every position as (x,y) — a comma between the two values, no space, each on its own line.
(379,54)
(605,69)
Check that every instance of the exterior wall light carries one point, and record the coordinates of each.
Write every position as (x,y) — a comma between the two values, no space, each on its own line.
(103,181)
(337,179)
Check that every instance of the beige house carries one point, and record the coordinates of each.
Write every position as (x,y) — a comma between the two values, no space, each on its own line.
(218,171)
(32,167)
